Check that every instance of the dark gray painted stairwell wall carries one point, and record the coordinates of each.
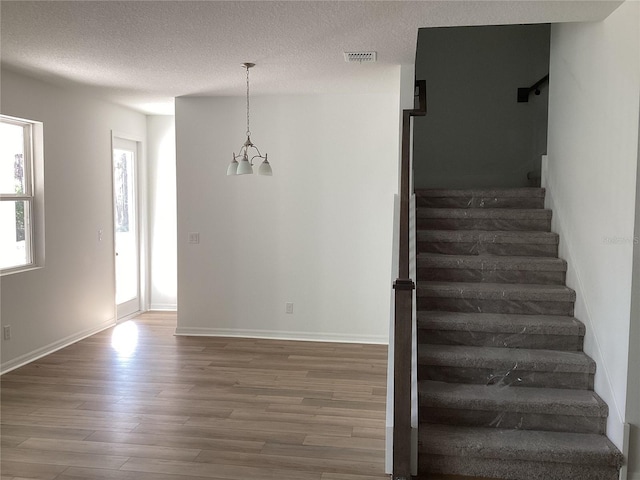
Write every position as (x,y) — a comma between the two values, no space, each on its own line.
(475,134)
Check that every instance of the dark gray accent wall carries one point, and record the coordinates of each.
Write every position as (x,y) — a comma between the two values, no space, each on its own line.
(475,133)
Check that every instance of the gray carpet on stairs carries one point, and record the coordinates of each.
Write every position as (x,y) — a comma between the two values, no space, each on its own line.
(505,390)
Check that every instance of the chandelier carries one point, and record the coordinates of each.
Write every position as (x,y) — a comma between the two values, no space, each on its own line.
(242,163)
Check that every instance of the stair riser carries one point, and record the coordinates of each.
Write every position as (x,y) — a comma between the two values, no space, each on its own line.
(489,275)
(512,469)
(515,420)
(478,248)
(571,343)
(529,224)
(526,307)
(503,376)
(480,202)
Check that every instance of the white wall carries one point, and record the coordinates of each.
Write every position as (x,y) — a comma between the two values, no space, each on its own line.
(161,156)
(475,133)
(593,143)
(633,376)
(73,295)
(318,233)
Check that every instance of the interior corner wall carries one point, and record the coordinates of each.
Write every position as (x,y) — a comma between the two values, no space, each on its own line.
(163,255)
(318,233)
(475,133)
(592,164)
(73,295)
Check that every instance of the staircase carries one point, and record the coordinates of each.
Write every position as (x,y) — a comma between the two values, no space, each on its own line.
(505,390)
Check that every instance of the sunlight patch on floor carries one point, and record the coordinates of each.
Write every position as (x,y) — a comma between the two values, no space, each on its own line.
(124,339)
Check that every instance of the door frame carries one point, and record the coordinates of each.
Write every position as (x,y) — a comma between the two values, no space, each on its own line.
(141,212)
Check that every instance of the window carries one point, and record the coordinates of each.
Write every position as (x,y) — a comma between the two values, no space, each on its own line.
(18,202)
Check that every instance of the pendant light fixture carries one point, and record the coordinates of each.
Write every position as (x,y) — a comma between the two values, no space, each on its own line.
(242,163)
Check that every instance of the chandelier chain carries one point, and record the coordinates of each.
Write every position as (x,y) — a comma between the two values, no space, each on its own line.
(248,129)
(243,162)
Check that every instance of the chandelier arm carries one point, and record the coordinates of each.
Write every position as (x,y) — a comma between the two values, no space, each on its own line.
(259,154)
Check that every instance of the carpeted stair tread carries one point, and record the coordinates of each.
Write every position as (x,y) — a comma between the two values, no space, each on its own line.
(511,360)
(518,445)
(482,192)
(496,291)
(488,236)
(486,239)
(500,323)
(514,219)
(547,401)
(490,262)
(483,213)
(481,198)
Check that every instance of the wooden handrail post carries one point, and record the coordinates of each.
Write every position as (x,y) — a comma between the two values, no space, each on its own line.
(403,260)
(403,311)
(402,382)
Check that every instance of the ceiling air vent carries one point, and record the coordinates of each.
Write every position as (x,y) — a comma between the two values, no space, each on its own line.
(359,57)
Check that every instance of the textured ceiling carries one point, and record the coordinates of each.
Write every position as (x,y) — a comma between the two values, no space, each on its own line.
(144,53)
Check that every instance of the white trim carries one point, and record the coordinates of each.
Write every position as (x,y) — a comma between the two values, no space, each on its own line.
(389,421)
(616,417)
(12,270)
(281,335)
(34,194)
(53,347)
(544,171)
(144,276)
(388,447)
(131,316)
(624,471)
(164,307)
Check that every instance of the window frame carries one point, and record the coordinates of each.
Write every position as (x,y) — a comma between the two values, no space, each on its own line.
(33,196)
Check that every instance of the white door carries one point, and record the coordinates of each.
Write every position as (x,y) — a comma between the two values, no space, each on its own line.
(127,246)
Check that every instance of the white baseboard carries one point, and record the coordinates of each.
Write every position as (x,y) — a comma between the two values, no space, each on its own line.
(544,171)
(163,307)
(624,471)
(282,335)
(53,347)
(388,450)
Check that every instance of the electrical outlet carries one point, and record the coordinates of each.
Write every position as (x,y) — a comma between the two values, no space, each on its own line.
(289,307)
(100,235)
(194,238)
(6,332)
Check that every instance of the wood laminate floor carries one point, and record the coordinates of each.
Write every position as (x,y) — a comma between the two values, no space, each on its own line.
(184,408)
